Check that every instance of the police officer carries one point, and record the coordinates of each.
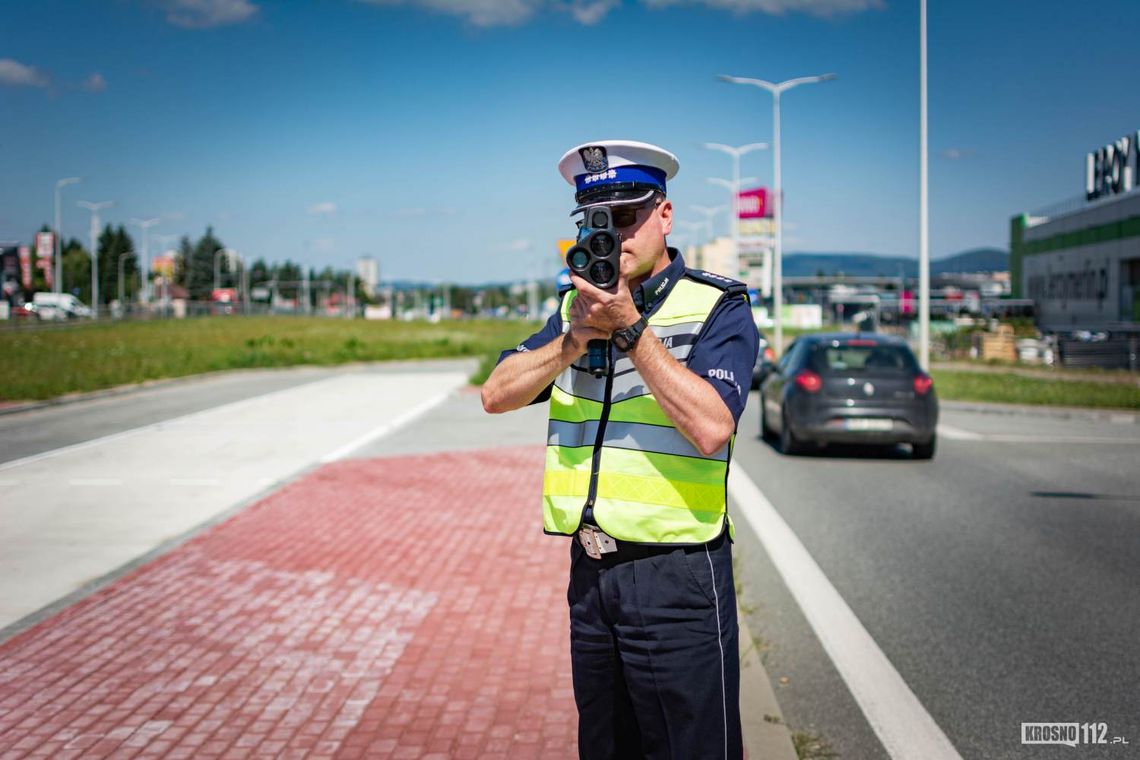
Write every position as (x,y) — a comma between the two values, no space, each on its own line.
(636,471)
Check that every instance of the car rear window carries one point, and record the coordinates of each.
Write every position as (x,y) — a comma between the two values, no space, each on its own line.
(843,357)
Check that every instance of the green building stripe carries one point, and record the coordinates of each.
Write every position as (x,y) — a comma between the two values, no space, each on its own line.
(1102,233)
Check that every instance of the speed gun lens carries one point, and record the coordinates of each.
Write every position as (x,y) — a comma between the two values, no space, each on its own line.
(602,244)
(602,273)
(579,258)
(598,220)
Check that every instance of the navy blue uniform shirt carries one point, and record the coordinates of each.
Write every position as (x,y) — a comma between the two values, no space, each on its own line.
(723,355)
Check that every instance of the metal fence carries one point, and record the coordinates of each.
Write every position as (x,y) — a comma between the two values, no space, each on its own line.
(1116,351)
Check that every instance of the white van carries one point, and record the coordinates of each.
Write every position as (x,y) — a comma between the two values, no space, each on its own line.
(60,306)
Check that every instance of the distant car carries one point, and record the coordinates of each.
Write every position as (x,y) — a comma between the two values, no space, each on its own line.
(59,306)
(849,388)
(26,310)
(765,362)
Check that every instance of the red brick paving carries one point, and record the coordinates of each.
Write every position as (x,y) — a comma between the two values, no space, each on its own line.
(399,607)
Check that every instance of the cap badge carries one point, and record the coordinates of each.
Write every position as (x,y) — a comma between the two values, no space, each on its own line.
(594,158)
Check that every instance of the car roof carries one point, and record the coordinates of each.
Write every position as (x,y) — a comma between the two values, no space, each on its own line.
(879,338)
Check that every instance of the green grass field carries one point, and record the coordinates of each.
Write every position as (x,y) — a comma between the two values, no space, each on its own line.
(1008,388)
(43,363)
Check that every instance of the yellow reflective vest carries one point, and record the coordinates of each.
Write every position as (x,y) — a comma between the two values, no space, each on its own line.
(612,447)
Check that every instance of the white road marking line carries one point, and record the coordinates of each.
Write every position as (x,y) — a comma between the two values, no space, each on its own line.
(157,425)
(382,430)
(1122,419)
(892,709)
(957,434)
(1002,438)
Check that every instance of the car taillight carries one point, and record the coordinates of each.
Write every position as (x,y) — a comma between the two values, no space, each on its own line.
(769,354)
(809,381)
(923,384)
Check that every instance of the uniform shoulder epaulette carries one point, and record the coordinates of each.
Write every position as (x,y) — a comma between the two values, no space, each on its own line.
(726,284)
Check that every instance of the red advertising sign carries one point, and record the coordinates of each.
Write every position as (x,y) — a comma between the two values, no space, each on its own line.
(906,302)
(26,267)
(45,245)
(754,203)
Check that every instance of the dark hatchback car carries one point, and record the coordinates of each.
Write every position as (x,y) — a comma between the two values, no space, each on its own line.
(849,388)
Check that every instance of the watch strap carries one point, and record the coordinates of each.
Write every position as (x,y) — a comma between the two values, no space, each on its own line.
(627,337)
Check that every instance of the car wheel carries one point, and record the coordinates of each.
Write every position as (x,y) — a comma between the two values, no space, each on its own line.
(789,444)
(924,450)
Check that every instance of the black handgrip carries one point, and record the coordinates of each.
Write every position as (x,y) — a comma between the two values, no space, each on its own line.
(598,351)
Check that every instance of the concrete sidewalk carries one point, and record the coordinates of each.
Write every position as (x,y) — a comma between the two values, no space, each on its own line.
(394,606)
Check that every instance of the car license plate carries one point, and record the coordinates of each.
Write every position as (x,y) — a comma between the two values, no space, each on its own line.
(868,424)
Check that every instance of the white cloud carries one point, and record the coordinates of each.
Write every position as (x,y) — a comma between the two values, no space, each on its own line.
(322,209)
(957,154)
(590,12)
(487,13)
(16,74)
(202,14)
(820,8)
(521,245)
(477,12)
(95,83)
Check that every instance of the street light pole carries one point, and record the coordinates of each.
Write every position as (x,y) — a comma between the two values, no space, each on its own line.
(709,212)
(777,88)
(145,225)
(736,153)
(94,209)
(122,294)
(59,233)
(217,272)
(733,186)
(923,210)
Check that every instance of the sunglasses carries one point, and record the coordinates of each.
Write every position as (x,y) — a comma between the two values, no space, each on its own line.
(626,216)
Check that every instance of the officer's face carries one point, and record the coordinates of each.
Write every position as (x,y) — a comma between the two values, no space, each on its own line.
(643,241)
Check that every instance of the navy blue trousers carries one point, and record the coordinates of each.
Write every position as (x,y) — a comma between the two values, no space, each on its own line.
(653,645)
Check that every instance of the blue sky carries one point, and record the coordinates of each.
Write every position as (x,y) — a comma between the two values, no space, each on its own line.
(426,133)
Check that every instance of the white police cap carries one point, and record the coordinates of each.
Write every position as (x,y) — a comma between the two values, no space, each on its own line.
(617,171)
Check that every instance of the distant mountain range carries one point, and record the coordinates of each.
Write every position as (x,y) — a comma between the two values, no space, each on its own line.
(872,265)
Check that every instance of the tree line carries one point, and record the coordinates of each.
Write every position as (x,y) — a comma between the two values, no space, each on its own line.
(120,264)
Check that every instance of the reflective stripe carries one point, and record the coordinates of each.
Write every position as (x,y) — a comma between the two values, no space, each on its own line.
(627,435)
(623,364)
(650,484)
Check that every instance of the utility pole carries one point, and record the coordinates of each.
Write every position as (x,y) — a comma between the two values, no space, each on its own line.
(94,209)
(59,185)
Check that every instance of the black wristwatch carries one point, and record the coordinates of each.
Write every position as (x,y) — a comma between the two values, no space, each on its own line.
(627,337)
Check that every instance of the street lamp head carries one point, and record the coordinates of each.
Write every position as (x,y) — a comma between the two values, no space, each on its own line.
(68,181)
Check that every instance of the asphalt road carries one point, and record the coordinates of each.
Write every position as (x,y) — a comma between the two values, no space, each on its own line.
(1000,579)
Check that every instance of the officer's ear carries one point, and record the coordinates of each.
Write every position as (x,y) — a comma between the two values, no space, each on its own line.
(666,212)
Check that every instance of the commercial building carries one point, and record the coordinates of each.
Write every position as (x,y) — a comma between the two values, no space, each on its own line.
(368,272)
(1079,261)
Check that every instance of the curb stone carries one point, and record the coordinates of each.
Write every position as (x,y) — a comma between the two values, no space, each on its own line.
(766,736)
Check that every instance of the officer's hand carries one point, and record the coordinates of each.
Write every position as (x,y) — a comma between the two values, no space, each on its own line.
(604,310)
(580,332)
